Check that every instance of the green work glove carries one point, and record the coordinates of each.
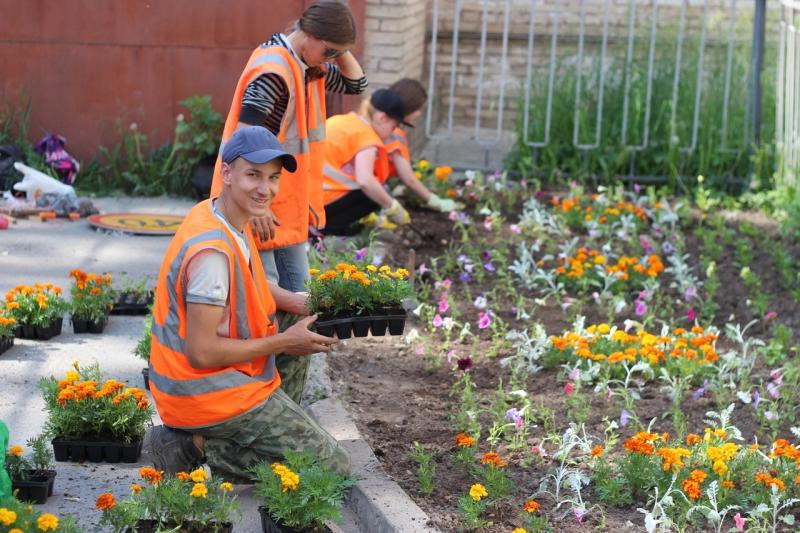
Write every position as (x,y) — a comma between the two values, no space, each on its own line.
(443,205)
(5,482)
(396,213)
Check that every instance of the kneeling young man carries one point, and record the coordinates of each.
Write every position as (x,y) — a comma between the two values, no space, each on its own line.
(215,333)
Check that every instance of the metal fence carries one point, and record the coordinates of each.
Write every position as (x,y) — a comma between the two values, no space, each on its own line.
(787,116)
(558,36)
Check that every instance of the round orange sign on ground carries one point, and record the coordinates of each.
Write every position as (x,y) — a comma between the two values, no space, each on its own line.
(137,223)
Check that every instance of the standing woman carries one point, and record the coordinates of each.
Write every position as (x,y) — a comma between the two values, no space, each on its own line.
(283,89)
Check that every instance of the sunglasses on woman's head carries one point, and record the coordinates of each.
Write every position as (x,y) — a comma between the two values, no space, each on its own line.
(332,53)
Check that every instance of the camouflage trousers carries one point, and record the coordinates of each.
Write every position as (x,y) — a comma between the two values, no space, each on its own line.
(234,446)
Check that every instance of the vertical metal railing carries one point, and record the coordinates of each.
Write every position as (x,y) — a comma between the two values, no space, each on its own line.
(787,118)
(547,23)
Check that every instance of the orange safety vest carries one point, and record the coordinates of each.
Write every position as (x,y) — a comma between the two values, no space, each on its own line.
(347,135)
(188,397)
(397,142)
(299,201)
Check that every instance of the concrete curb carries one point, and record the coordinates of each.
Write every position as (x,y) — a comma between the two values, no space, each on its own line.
(379,503)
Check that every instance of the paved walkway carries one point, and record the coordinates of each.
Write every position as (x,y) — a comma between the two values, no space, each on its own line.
(32,251)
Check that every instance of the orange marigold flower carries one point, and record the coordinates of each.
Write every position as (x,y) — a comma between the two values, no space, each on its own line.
(136,489)
(698,475)
(16,451)
(184,476)
(597,451)
(464,441)
(105,501)
(493,459)
(531,506)
(151,475)
(672,458)
(728,484)
(692,439)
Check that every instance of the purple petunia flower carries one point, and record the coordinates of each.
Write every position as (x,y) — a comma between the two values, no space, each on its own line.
(511,414)
(668,248)
(464,277)
(361,254)
(690,293)
(489,267)
(624,418)
(640,307)
(464,364)
(487,255)
(756,399)
(696,395)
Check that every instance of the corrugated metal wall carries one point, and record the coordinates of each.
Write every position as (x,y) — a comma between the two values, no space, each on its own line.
(91,67)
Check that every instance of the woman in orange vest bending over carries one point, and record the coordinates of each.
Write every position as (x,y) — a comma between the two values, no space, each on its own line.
(212,360)
(356,165)
(414,96)
(283,89)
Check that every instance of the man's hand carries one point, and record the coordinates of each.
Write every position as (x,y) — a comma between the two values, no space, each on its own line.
(264,227)
(302,341)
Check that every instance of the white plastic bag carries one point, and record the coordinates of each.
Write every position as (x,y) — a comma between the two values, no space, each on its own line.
(36,183)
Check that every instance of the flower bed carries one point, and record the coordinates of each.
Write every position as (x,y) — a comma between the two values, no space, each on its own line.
(499,352)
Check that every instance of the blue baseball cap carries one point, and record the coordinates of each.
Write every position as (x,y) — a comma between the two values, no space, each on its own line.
(257,145)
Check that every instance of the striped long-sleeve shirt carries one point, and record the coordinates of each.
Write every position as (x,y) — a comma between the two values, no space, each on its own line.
(266,97)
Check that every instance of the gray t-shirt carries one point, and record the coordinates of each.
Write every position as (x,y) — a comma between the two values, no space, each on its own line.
(207,278)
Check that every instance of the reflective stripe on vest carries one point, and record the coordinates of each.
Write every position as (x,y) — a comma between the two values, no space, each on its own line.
(347,182)
(217,382)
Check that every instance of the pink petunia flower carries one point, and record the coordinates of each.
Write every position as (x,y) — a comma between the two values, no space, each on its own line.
(739,521)
(569,388)
(484,320)
(437,320)
(443,305)
(691,315)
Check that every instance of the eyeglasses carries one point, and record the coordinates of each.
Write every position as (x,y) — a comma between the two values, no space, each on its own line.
(332,53)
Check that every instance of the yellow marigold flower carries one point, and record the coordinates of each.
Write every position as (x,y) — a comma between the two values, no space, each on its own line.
(720,468)
(72,375)
(313,271)
(105,502)
(16,451)
(279,469)
(226,486)
(198,475)
(289,481)
(15,530)
(47,522)
(531,506)
(477,491)
(423,164)
(519,530)
(372,268)
(7,517)
(199,491)
(136,489)
(401,273)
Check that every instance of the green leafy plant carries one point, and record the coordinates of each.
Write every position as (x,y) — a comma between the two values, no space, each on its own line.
(92,295)
(84,405)
(35,306)
(426,467)
(301,493)
(142,349)
(24,517)
(185,502)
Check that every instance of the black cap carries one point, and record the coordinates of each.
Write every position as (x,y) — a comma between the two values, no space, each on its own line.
(257,145)
(390,103)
